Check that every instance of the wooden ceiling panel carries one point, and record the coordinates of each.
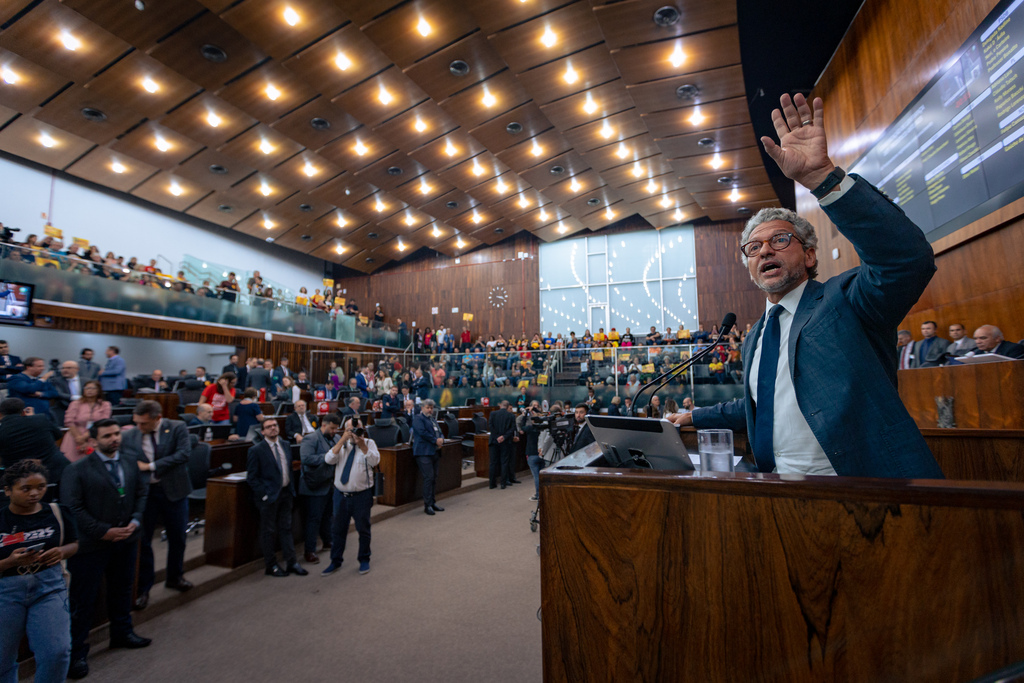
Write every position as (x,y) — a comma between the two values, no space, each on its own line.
(632,22)
(703,51)
(316,123)
(265,224)
(362,12)
(570,75)
(596,200)
(406,222)
(496,232)
(486,100)
(675,216)
(9,9)
(434,75)
(720,114)
(752,193)
(321,64)
(381,97)
(651,186)
(194,120)
(110,169)
(184,52)
(302,238)
(221,209)
(396,248)
(307,170)
(62,41)
(476,219)
(142,30)
(605,216)
(369,236)
(405,132)
(495,15)
(547,174)
(366,262)
(337,224)
(268,93)
(740,211)
(393,170)
(584,108)
(623,175)
(612,129)
(68,112)
(378,206)
(585,183)
(157,145)
(710,182)
(536,150)
(344,191)
(357,149)
(433,234)
(555,35)
(450,205)
(560,229)
(496,136)
(732,160)
(421,190)
(261,190)
(32,84)
(721,140)
(623,152)
(668,201)
(712,85)
(170,191)
(447,151)
(131,79)
(458,245)
(536,219)
(400,32)
(521,203)
(214,169)
(334,250)
(303,209)
(476,171)
(283,27)
(262,147)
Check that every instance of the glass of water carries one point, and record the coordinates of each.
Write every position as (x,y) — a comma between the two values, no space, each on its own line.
(715,449)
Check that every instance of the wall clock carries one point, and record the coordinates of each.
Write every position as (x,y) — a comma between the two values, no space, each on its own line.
(498,296)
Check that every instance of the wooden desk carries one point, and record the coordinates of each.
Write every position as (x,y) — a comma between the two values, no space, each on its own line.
(978,454)
(402,481)
(231,537)
(469,411)
(649,576)
(168,402)
(482,455)
(986,396)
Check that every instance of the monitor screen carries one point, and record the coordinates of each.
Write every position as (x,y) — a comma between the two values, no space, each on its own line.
(15,303)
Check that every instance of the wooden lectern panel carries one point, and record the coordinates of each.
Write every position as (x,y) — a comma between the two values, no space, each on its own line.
(663,577)
(985,396)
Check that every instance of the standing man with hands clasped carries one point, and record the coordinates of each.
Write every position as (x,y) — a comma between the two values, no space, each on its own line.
(353,457)
(820,365)
(427,441)
(502,426)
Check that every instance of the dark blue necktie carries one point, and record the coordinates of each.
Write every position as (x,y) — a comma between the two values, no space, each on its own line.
(112,469)
(764,449)
(347,470)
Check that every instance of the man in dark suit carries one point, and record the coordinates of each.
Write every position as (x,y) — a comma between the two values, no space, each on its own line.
(391,406)
(409,410)
(29,436)
(68,386)
(351,408)
(581,436)
(502,425)
(9,363)
(427,440)
(421,385)
(989,339)
(260,378)
(243,374)
(300,423)
(270,476)
(928,352)
(113,379)
(88,370)
(232,366)
(161,447)
(106,493)
(32,387)
(820,364)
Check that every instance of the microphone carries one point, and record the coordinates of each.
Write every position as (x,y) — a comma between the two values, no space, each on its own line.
(727,324)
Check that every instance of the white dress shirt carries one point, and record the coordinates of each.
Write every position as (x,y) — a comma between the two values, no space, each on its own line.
(796,449)
(307,428)
(360,477)
(75,387)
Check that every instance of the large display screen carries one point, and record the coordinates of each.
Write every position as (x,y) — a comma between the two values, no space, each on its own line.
(15,303)
(956,153)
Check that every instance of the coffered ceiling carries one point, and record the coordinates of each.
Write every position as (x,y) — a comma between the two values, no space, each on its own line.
(362,130)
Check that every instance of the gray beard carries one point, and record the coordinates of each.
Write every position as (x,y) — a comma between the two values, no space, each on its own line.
(791,278)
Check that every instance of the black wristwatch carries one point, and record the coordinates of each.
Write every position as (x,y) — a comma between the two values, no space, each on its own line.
(831,181)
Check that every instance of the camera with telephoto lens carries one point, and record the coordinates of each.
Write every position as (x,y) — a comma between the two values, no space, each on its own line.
(360,432)
(7,234)
(559,425)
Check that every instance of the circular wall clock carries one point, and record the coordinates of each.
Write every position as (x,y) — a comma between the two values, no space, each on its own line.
(498,296)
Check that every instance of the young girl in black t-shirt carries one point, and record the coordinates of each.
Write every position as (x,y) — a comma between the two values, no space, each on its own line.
(34,539)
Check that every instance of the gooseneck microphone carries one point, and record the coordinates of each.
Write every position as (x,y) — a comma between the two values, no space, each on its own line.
(661,380)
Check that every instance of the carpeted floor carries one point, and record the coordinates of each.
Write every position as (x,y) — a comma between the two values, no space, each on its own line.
(452,597)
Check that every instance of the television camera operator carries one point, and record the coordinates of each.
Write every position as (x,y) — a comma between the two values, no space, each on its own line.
(548,438)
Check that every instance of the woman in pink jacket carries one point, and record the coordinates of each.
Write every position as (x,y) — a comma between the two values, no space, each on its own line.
(79,417)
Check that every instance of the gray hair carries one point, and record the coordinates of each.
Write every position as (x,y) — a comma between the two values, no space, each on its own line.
(428,402)
(802,229)
(904,332)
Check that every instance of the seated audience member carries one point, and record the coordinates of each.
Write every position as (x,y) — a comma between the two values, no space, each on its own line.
(248,413)
(989,339)
(593,403)
(354,456)
(300,423)
(108,519)
(352,407)
(89,408)
(26,435)
(202,376)
(654,407)
(32,387)
(219,396)
(409,410)
(33,594)
(671,409)
(271,478)
(288,393)
(315,483)
(614,408)
(202,417)
(302,381)
(959,342)
(653,337)
(392,403)
(156,382)
(628,339)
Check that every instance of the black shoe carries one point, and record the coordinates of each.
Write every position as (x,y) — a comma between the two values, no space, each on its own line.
(428,510)
(296,568)
(437,508)
(130,642)
(275,570)
(503,486)
(141,602)
(181,585)
(515,481)
(78,669)
(493,486)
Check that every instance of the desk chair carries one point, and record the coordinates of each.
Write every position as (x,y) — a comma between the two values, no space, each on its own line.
(198,473)
(384,435)
(405,430)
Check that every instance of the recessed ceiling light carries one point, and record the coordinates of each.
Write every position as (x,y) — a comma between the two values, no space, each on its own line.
(384,96)
(687,91)
(459,67)
(570,76)
(420,125)
(8,75)
(652,186)
(339,249)
(678,57)
(548,38)
(460,244)
(666,16)
(543,215)
(696,118)
(341,222)
(478,170)
(590,106)
(118,167)
(401,246)
(213,119)
(477,217)
(424,186)
(561,227)
(623,151)
(575,185)
(606,130)
(268,224)
(410,220)
(265,189)
(424,27)
(678,215)
(265,146)
(716,161)
(435,232)
(69,41)
(523,201)
(637,169)
(162,144)
(609,214)
(500,186)
(176,189)
(536,150)
(291,17)
(450,149)
(666,201)
(488,100)
(360,148)
(734,196)
(342,61)
(272,92)
(379,206)
(149,85)
(309,169)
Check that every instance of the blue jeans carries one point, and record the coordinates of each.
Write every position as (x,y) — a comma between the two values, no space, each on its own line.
(352,507)
(536,463)
(35,605)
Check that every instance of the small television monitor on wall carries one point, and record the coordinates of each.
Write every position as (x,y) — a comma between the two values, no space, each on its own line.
(15,303)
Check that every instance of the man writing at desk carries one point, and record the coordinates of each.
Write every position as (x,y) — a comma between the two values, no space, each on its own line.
(820,365)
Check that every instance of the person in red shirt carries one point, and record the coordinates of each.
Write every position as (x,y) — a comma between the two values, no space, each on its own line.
(467,339)
(220,396)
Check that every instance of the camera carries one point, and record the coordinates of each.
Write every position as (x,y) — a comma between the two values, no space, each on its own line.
(7,234)
(360,432)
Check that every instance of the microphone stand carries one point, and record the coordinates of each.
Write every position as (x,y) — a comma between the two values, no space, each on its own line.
(666,377)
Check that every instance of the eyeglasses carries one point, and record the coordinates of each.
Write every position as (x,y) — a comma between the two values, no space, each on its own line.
(778,243)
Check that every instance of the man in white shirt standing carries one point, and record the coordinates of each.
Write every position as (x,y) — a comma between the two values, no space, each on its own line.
(820,394)
(354,457)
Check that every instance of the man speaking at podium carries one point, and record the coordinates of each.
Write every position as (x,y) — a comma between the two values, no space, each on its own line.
(820,364)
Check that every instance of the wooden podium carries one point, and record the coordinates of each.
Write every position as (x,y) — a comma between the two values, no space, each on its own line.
(985,396)
(657,576)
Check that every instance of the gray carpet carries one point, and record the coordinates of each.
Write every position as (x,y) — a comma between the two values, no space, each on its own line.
(452,597)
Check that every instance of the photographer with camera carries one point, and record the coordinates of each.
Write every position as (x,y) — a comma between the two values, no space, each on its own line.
(354,457)
(529,430)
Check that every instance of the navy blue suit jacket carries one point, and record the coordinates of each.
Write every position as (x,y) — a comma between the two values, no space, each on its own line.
(263,471)
(842,347)
(25,387)
(424,436)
